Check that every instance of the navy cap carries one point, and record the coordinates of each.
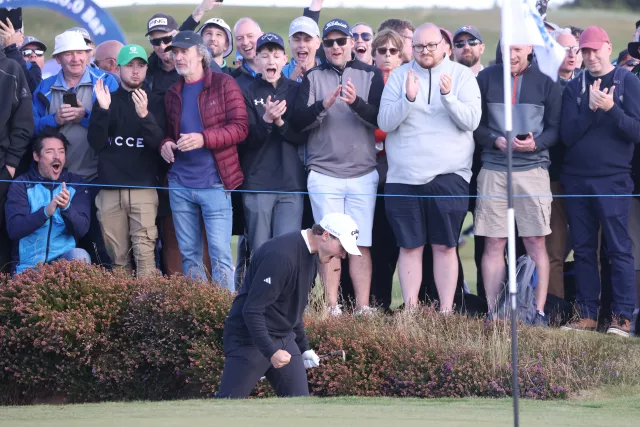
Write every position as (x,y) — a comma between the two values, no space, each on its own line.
(270,38)
(337,25)
(185,40)
(468,29)
(161,22)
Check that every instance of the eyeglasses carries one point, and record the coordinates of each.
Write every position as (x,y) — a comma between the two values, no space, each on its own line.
(383,51)
(365,36)
(29,52)
(572,49)
(330,42)
(419,48)
(460,44)
(157,42)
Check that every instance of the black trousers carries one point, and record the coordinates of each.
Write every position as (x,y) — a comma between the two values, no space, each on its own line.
(5,243)
(244,365)
(93,241)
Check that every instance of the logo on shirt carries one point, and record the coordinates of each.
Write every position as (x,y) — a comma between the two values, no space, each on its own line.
(258,101)
(129,142)
(267,280)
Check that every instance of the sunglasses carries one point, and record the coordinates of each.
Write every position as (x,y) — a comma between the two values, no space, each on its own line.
(365,36)
(29,52)
(330,42)
(383,51)
(157,42)
(471,42)
(632,62)
(573,49)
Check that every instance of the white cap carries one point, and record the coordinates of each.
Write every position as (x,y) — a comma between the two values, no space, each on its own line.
(345,229)
(70,41)
(219,22)
(305,25)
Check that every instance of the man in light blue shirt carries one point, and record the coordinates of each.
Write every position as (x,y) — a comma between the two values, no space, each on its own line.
(304,40)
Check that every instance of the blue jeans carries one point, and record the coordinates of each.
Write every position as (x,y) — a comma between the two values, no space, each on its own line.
(76,254)
(214,204)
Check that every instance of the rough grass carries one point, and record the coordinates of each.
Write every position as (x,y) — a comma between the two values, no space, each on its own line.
(45,24)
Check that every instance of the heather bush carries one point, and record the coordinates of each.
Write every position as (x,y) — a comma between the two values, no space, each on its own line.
(76,333)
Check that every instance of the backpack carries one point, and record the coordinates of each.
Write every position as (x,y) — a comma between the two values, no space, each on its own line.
(618,82)
(526,281)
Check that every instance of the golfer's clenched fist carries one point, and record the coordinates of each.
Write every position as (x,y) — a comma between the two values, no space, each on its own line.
(280,359)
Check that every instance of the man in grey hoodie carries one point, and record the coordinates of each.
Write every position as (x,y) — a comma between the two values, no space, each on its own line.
(429,109)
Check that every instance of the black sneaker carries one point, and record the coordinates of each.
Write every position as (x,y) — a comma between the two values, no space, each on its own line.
(540,321)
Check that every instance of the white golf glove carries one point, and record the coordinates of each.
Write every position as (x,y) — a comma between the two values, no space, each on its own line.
(310,359)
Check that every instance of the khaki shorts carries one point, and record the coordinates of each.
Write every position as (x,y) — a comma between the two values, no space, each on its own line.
(533,214)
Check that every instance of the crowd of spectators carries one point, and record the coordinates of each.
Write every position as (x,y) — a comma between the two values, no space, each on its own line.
(151,163)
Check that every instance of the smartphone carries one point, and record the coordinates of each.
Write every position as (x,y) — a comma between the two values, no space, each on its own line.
(522,136)
(218,1)
(70,99)
(13,14)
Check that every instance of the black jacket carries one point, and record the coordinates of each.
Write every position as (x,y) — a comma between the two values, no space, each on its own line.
(269,156)
(16,113)
(273,296)
(127,145)
(33,74)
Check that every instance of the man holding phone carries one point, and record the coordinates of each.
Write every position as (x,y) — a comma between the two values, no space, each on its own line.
(64,101)
(537,102)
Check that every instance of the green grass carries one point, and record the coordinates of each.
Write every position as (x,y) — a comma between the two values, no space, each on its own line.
(45,24)
(311,412)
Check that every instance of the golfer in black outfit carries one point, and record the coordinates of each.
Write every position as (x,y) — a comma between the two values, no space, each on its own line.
(264,332)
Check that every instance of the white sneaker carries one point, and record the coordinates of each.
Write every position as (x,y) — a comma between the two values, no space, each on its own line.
(335,311)
(365,311)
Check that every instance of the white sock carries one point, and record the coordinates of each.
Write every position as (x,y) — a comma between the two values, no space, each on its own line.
(541,313)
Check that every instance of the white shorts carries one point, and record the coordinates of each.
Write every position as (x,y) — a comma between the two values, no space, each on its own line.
(355,197)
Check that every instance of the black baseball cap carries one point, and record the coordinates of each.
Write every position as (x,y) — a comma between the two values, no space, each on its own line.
(337,25)
(468,29)
(270,38)
(185,40)
(161,22)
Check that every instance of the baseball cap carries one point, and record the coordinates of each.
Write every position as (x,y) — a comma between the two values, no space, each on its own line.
(593,38)
(468,29)
(32,40)
(161,22)
(304,25)
(85,34)
(446,33)
(269,38)
(337,25)
(70,41)
(344,228)
(130,52)
(551,25)
(219,22)
(633,49)
(185,40)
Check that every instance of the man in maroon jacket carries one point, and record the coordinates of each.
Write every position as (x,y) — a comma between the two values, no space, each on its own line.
(206,119)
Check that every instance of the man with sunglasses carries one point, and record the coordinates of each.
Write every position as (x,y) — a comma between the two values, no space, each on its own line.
(338,103)
(429,109)
(468,48)
(362,38)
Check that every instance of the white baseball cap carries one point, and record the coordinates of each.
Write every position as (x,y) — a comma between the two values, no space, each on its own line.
(70,41)
(219,22)
(345,229)
(304,25)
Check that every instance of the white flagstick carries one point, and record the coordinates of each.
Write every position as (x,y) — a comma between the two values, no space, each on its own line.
(511,242)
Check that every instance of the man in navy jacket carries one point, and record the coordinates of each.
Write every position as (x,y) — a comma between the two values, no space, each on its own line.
(45,217)
(600,127)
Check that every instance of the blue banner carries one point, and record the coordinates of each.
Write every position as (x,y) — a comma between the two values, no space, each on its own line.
(86,13)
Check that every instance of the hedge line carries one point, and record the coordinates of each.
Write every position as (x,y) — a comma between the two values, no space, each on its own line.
(81,334)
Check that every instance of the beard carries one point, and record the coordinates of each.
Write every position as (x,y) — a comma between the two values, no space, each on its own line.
(132,85)
(469,61)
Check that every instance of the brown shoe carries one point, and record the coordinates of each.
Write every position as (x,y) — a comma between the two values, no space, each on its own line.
(620,327)
(584,324)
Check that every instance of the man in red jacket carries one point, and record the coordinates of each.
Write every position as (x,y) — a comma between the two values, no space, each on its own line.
(206,119)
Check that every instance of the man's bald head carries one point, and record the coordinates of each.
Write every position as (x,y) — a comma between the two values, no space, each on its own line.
(428,46)
(106,54)
(247,31)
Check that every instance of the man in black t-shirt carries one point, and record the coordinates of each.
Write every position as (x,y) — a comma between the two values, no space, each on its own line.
(264,332)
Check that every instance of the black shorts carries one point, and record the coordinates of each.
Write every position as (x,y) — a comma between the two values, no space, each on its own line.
(417,221)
